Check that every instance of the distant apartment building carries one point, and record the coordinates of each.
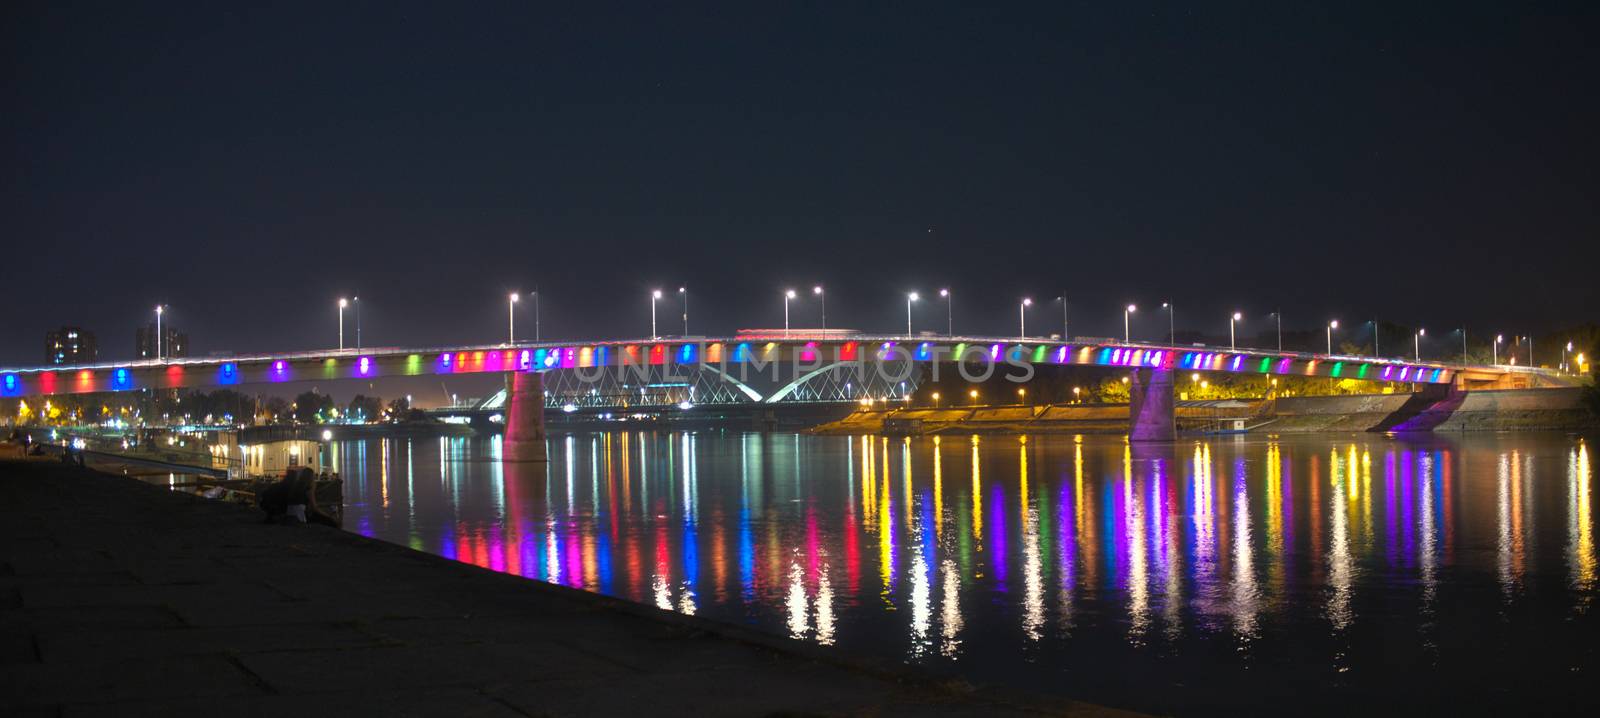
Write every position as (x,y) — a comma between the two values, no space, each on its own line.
(70,345)
(173,344)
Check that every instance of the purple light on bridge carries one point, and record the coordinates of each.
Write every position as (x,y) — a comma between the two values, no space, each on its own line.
(1236,359)
(1284,365)
(280,371)
(364,367)
(524,360)
(1388,370)
(1061,355)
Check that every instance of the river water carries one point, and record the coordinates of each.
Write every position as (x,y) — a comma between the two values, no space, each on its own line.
(1313,574)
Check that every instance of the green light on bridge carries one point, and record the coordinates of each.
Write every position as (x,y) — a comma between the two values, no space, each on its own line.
(1266,364)
(1362,372)
(1338,367)
(413,364)
(1038,354)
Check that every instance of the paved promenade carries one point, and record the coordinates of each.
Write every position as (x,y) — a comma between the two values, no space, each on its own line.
(122,599)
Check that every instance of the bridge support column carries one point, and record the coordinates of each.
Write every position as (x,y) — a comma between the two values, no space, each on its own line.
(524,439)
(1150,406)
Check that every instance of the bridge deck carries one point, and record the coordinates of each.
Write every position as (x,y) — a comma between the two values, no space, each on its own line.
(797,348)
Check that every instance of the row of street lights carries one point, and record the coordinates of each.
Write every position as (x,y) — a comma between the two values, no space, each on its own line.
(912,297)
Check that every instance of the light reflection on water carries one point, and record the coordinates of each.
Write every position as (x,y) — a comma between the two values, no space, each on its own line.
(1199,577)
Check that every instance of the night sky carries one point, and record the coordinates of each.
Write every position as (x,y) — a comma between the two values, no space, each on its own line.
(249,166)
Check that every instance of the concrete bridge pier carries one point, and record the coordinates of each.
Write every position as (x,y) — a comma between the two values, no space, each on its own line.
(524,438)
(1150,405)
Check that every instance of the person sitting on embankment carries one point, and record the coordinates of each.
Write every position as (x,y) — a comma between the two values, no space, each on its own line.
(294,500)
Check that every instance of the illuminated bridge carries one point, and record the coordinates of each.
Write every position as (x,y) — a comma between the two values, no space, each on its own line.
(764,366)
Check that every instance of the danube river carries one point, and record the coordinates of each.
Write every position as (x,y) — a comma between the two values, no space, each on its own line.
(1307,574)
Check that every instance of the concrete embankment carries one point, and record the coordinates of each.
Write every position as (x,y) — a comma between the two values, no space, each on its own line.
(1507,410)
(118,598)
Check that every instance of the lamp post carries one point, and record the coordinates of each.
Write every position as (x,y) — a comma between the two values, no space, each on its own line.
(511,319)
(159,310)
(357,301)
(1279,316)
(1374,324)
(342,304)
(1126,333)
(683,294)
(1494,348)
(1416,342)
(1065,336)
(1565,361)
(1331,326)
(1172,325)
(654,295)
(1022,317)
(536,314)
(822,303)
(1463,346)
(1233,319)
(787,295)
(949,315)
(912,297)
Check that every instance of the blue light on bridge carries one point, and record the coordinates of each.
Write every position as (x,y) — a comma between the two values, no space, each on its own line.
(741,353)
(686,354)
(10,385)
(227,374)
(121,379)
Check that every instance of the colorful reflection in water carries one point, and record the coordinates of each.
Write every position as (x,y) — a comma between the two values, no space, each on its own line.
(1197,577)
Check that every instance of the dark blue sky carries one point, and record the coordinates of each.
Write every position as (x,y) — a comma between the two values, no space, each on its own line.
(247,167)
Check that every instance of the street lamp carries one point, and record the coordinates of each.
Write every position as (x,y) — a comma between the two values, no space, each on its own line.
(536,314)
(949,314)
(683,293)
(1416,342)
(912,297)
(1022,317)
(1564,362)
(357,301)
(1331,326)
(822,303)
(1494,348)
(1233,345)
(159,309)
(1126,334)
(787,295)
(1065,337)
(974,395)
(654,295)
(1172,326)
(511,319)
(936,399)
(342,304)
(1279,316)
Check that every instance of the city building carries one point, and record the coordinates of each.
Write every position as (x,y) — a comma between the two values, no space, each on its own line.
(70,345)
(173,342)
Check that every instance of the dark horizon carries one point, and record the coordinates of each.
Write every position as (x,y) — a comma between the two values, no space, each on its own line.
(249,167)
